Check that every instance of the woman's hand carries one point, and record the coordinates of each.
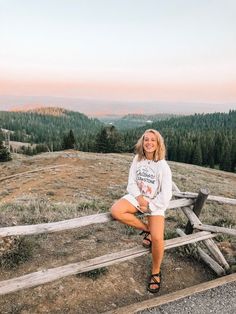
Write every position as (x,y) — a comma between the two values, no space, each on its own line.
(141,200)
(143,204)
(144,209)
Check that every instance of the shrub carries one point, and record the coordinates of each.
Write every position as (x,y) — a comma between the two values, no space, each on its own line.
(22,251)
(95,273)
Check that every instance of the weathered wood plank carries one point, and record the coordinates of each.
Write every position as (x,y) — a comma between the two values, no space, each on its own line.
(174,296)
(229,231)
(180,203)
(191,215)
(216,253)
(72,223)
(175,187)
(55,226)
(48,275)
(218,199)
(205,257)
(211,262)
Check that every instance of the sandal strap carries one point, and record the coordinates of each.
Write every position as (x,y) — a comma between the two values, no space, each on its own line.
(156,275)
(146,239)
(153,276)
(158,284)
(144,232)
(154,280)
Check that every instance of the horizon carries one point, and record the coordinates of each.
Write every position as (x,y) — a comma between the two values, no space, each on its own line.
(25,108)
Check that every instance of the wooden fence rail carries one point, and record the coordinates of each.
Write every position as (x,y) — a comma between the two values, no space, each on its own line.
(214,198)
(49,275)
(73,223)
(211,228)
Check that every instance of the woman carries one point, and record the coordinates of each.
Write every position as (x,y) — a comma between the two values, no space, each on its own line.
(150,190)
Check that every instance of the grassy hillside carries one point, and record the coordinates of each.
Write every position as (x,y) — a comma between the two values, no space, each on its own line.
(49,125)
(72,184)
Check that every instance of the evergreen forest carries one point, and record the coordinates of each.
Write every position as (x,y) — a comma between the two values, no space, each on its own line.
(202,139)
(51,126)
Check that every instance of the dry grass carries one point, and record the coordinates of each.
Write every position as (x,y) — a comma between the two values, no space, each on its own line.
(89,185)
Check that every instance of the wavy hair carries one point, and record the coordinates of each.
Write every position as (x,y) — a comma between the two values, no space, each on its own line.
(159,153)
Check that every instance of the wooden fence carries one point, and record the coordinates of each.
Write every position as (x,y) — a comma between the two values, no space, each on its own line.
(191,205)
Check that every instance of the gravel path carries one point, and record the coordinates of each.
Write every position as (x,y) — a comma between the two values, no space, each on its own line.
(220,300)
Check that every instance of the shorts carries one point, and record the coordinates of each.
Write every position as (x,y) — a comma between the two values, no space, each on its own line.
(130,198)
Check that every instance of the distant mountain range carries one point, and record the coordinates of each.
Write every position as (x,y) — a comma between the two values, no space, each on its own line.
(101,108)
(121,122)
(132,121)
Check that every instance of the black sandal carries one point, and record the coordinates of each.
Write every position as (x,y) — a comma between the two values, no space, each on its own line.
(153,281)
(146,234)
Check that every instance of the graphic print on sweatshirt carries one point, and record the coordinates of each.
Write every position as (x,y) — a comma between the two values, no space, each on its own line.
(146,180)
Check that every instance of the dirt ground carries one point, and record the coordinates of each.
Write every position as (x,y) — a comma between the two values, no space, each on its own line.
(82,184)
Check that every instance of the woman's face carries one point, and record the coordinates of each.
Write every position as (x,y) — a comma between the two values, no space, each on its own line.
(149,142)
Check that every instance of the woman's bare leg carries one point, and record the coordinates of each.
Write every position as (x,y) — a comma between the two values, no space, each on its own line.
(156,227)
(124,211)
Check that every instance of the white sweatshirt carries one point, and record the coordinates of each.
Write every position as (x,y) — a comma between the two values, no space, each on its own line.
(153,180)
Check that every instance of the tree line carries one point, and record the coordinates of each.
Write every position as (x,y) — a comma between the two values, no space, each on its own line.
(200,139)
(48,127)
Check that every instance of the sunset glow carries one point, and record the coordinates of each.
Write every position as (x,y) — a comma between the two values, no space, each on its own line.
(126,51)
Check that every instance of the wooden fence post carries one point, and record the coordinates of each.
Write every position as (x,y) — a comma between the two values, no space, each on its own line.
(209,243)
(200,200)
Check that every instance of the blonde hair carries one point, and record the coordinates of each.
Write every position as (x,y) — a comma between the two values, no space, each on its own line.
(160,151)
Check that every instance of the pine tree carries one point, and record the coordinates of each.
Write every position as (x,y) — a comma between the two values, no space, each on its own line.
(211,160)
(69,141)
(4,153)
(233,155)
(102,142)
(172,151)
(225,162)
(114,140)
(181,152)
(197,155)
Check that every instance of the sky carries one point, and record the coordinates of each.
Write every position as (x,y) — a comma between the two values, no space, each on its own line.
(109,56)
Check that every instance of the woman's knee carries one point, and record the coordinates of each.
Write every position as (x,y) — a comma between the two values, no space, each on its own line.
(122,207)
(157,238)
(115,211)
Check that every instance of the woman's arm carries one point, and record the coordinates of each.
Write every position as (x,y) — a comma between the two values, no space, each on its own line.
(161,201)
(132,187)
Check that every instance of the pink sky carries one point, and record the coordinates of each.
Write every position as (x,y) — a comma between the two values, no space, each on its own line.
(124,91)
(125,51)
